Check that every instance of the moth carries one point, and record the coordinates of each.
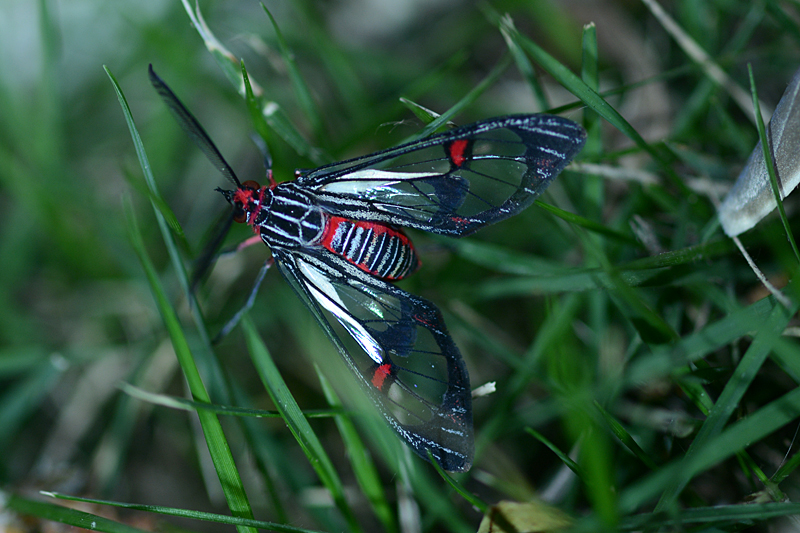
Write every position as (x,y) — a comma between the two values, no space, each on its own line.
(337,235)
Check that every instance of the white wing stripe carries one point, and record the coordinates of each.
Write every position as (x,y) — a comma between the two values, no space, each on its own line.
(325,293)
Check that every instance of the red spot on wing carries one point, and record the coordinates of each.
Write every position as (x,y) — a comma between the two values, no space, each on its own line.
(457,149)
(380,374)
(423,321)
(460,222)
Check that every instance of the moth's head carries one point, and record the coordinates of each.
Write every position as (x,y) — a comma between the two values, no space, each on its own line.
(245,200)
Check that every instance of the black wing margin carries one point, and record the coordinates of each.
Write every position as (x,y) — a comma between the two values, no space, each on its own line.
(456,182)
(400,351)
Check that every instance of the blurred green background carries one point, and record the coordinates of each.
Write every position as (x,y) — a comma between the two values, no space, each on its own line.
(554,311)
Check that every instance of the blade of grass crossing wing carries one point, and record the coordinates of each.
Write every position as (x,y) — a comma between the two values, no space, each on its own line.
(212,429)
(468,99)
(476,502)
(572,83)
(363,466)
(296,421)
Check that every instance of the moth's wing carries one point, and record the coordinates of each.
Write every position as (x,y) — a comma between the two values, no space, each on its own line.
(456,182)
(399,349)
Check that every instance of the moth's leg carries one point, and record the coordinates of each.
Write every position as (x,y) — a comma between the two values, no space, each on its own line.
(247,305)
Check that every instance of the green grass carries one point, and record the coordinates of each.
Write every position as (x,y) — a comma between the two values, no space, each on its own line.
(644,379)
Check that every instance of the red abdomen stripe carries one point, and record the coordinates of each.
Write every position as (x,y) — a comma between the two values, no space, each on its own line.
(376,248)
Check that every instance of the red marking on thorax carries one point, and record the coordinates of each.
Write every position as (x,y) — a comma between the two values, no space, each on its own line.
(457,149)
(247,197)
(243,196)
(380,375)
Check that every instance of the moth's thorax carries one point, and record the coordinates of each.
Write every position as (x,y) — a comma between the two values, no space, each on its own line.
(285,215)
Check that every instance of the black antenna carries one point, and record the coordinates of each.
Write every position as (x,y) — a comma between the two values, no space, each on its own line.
(192,128)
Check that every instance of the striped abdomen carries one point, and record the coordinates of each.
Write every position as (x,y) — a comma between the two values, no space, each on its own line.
(381,250)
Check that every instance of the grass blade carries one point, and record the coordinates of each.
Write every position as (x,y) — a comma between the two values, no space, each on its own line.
(65,515)
(296,421)
(215,438)
(363,466)
(271,111)
(186,513)
(212,429)
(740,381)
(301,89)
(767,148)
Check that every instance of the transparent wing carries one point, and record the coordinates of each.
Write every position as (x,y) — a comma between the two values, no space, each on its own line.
(456,182)
(398,346)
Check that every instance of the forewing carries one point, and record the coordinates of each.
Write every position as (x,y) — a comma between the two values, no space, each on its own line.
(400,351)
(456,182)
